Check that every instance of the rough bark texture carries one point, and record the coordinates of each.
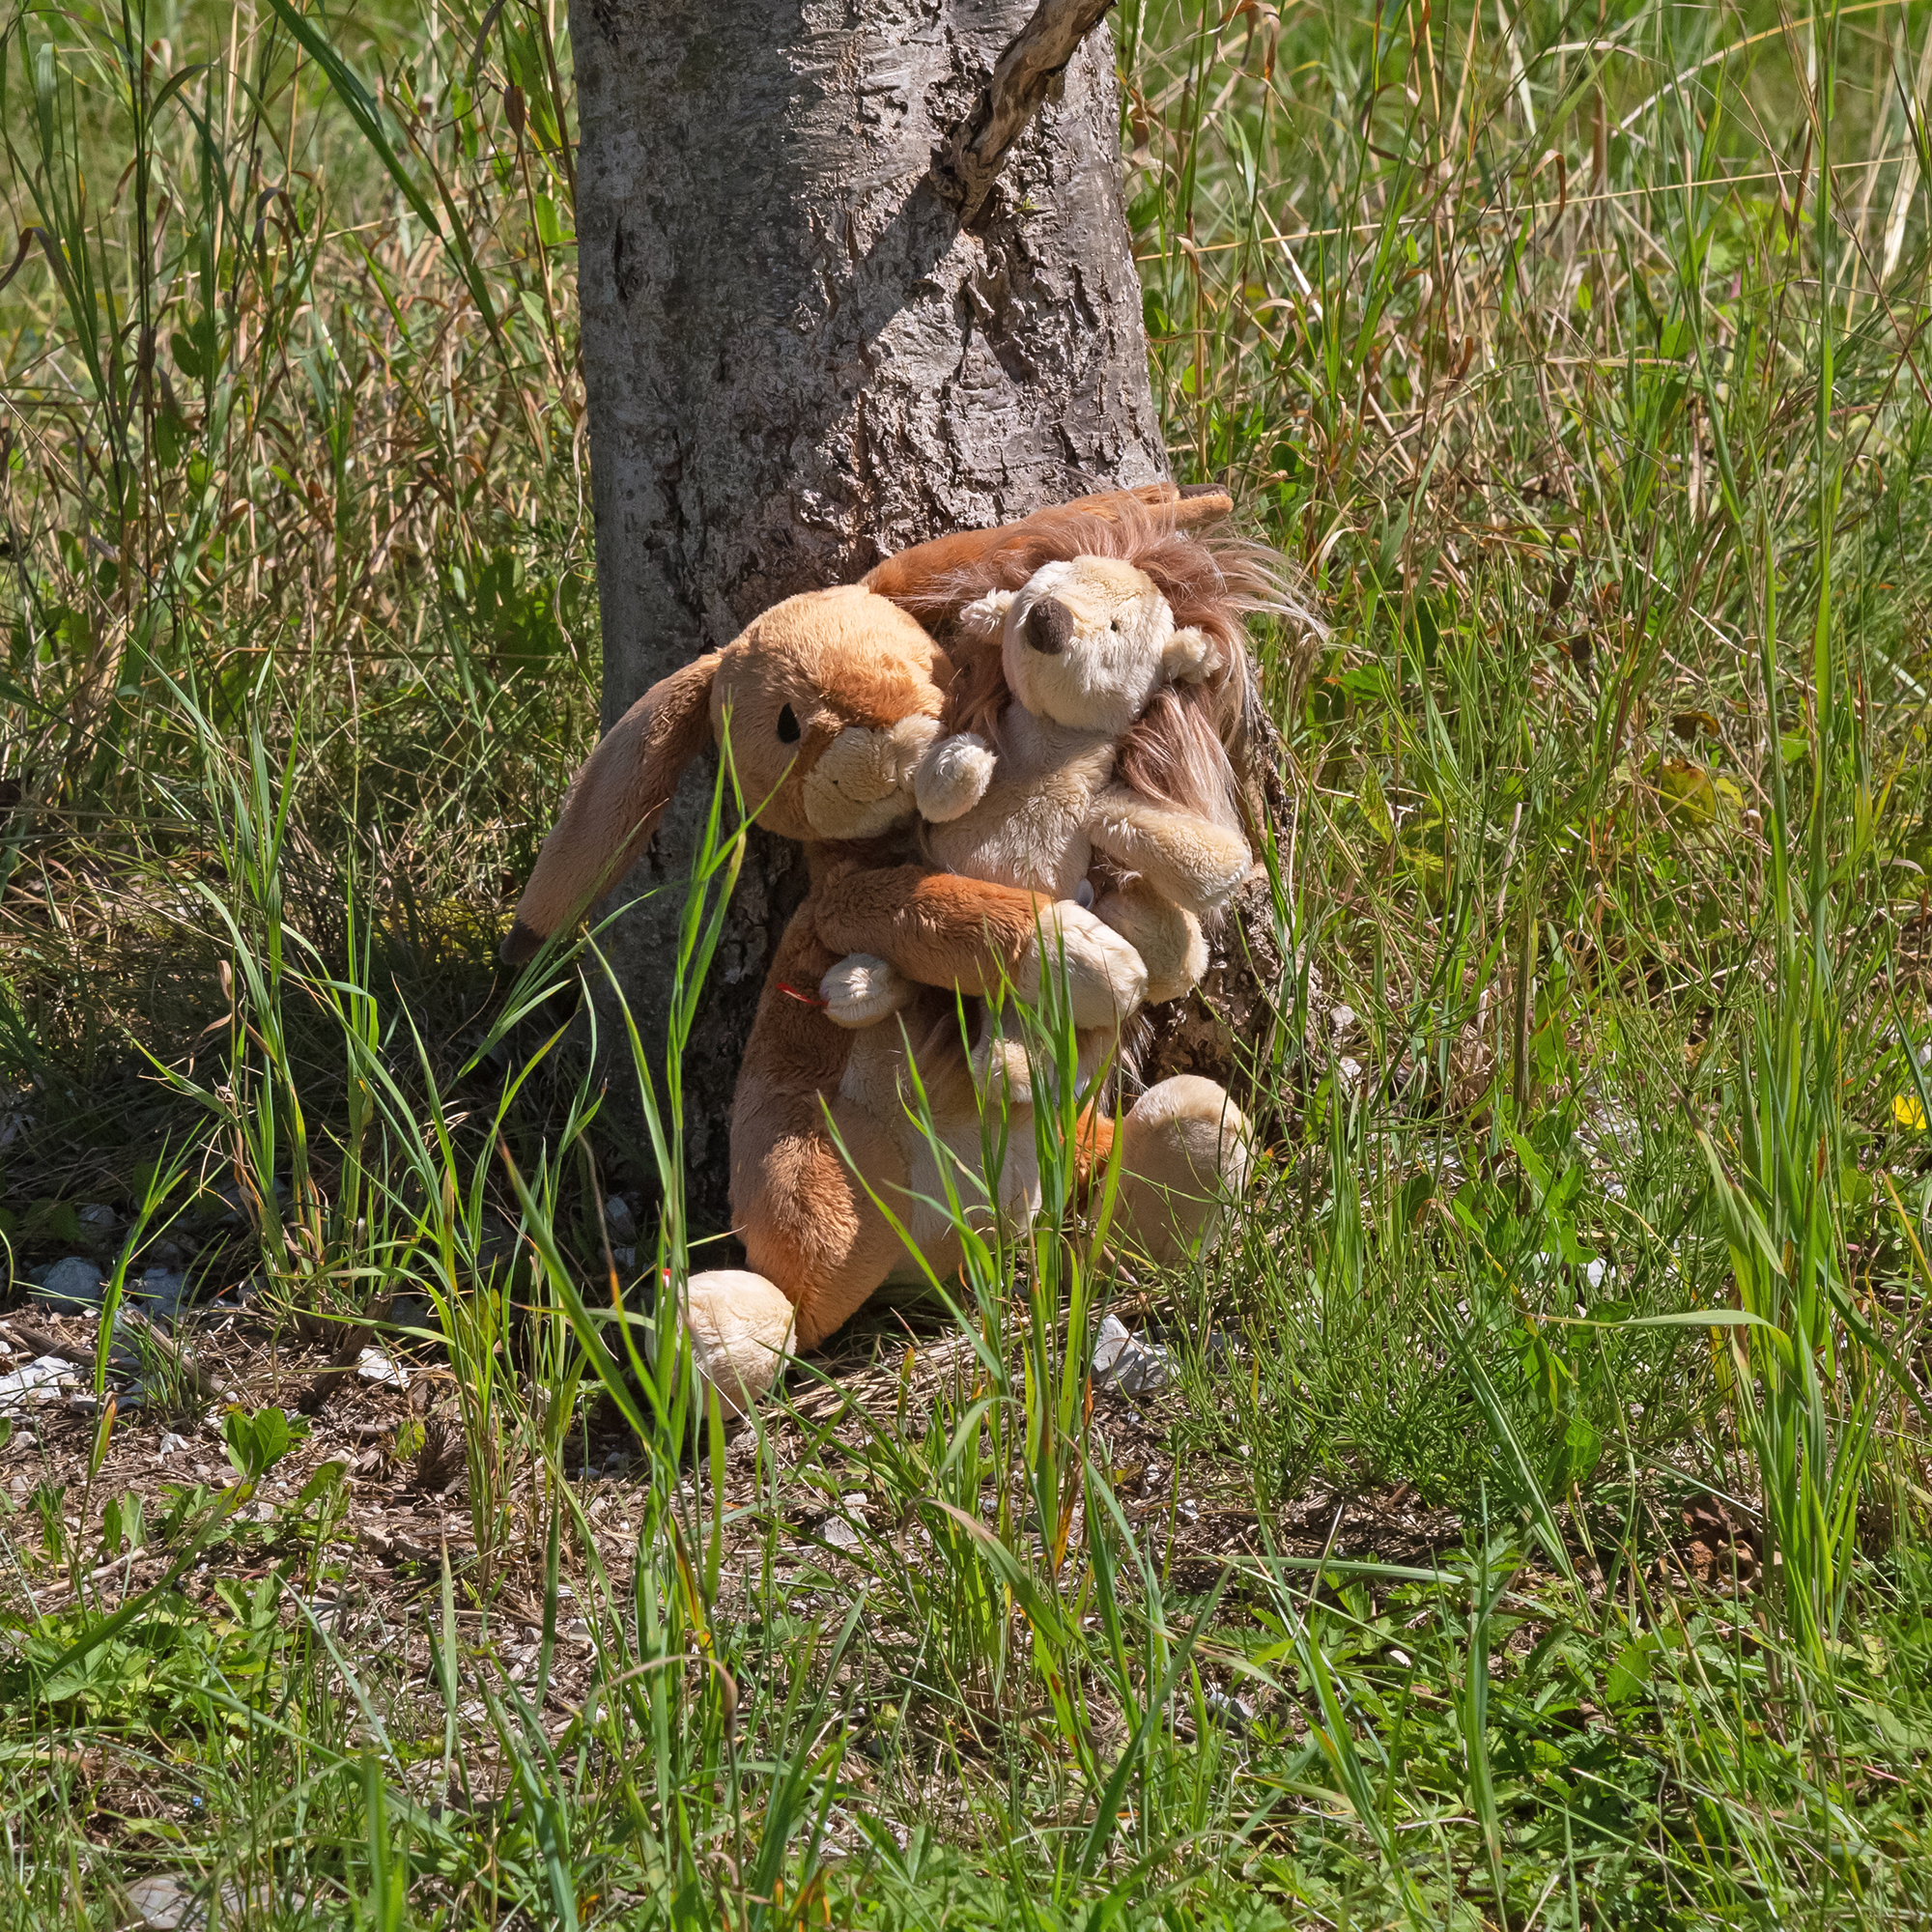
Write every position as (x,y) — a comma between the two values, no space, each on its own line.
(1028,73)
(799,361)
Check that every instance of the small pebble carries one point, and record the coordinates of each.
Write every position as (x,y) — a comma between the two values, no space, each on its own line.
(621,1222)
(160,1293)
(1237,1713)
(413,1311)
(161,1903)
(73,1282)
(846,1529)
(38,1380)
(1122,1362)
(376,1367)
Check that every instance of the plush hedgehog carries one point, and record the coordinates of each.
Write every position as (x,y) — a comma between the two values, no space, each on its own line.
(1086,646)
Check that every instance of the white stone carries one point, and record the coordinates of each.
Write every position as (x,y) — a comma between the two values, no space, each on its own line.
(1122,1362)
(38,1380)
(1236,1712)
(161,1292)
(846,1529)
(376,1366)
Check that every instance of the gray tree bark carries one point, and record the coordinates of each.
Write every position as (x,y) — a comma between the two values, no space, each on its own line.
(799,361)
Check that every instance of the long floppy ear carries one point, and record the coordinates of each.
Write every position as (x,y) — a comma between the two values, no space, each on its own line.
(615,803)
(924,569)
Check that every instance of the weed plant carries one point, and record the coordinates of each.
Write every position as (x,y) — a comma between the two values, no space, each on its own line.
(1531,1532)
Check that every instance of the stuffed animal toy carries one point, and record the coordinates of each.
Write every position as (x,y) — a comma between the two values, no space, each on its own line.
(833,699)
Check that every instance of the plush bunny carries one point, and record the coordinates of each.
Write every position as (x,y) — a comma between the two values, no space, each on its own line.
(834,698)
(1086,644)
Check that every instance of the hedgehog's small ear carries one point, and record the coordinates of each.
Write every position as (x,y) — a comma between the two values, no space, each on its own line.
(1189,656)
(985,617)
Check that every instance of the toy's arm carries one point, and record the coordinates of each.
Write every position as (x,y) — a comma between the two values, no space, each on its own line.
(943,930)
(1185,858)
(952,777)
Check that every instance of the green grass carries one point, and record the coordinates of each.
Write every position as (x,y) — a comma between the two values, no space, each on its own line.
(1533,1534)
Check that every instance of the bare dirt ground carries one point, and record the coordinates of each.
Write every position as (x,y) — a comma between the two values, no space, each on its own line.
(406,1492)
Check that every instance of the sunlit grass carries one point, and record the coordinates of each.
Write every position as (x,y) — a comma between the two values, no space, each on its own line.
(1532,1533)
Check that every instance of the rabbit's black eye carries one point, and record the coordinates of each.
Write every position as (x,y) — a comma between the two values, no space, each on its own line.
(788,726)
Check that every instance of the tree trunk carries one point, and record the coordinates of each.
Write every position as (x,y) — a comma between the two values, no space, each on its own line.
(799,361)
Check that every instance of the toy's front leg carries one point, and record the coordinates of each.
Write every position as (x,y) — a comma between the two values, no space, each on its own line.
(807,1221)
(816,1244)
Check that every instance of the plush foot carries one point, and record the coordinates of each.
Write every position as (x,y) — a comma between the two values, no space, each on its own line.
(1185,1158)
(740,1327)
(1170,941)
(860,990)
(1000,1066)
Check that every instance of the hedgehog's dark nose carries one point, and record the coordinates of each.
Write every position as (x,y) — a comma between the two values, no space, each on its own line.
(1048,626)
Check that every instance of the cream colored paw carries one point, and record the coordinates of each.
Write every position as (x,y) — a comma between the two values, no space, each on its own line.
(1224,861)
(1184,1161)
(860,990)
(1180,856)
(740,1327)
(952,777)
(1107,982)
(1000,1066)
(1188,656)
(1183,956)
